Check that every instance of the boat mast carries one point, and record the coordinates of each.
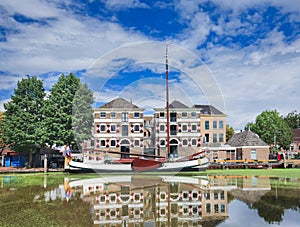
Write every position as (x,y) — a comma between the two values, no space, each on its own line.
(167,103)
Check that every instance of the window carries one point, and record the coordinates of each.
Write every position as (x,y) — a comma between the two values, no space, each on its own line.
(161,114)
(103,115)
(184,114)
(206,125)
(173,117)
(215,124)
(103,128)
(194,142)
(92,143)
(113,143)
(173,130)
(113,128)
(194,128)
(124,117)
(162,128)
(193,114)
(136,143)
(222,195)
(124,130)
(216,208)
(184,142)
(216,195)
(102,143)
(136,128)
(207,196)
(136,114)
(184,128)
(215,139)
(253,154)
(208,209)
(162,143)
(221,124)
(113,115)
(222,208)
(206,138)
(221,137)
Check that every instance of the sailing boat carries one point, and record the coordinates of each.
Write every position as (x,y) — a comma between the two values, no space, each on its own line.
(95,160)
(192,162)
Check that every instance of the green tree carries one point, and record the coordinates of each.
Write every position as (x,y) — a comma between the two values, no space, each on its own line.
(293,119)
(1,134)
(82,118)
(272,128)
(23,116)
(68,97)
(229,132)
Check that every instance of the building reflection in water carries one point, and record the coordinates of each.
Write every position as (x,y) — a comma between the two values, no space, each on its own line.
(141,200)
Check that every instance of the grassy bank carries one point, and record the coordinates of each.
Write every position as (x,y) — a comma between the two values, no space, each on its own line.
(289,173)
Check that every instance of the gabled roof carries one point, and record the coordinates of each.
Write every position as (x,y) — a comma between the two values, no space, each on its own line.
(246,138)
(177,105)
(119,103)
(208,109)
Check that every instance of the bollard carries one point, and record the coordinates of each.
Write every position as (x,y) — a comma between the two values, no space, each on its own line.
(45,164)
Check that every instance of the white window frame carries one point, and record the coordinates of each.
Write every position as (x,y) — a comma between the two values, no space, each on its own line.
(187,143)
(102,114)
(194,125)
(136,127)
(104,127)
(221,137)
(215,137)
(101,143)
(221,123)
(194,142)
(162,140)
(215,124)
(182,128)
(113,126)
(112,114)
(113,140)
(137,143)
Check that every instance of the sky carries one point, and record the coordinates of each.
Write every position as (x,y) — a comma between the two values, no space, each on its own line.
(243,57)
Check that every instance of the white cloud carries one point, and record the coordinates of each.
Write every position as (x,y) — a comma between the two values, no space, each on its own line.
(35,9)
(9,82)
(124,4)
(2,104)
(263,75)
(66,43)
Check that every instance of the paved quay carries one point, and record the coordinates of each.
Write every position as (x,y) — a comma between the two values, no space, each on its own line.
(27,170)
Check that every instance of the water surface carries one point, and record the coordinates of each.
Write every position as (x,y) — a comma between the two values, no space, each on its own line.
(148,200)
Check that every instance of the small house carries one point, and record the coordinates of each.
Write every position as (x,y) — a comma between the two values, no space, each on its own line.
(249,146)
(12,158)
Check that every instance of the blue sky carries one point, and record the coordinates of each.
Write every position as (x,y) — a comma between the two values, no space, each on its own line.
(247,52)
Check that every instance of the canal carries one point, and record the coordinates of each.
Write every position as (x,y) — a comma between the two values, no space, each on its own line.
(148,200)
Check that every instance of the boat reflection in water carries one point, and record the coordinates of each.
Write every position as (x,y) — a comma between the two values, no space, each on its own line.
(143,200)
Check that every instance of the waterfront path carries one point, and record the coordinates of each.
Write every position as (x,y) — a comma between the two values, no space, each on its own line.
(27,170)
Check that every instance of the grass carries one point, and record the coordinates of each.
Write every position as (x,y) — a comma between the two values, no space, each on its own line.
(286,173)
